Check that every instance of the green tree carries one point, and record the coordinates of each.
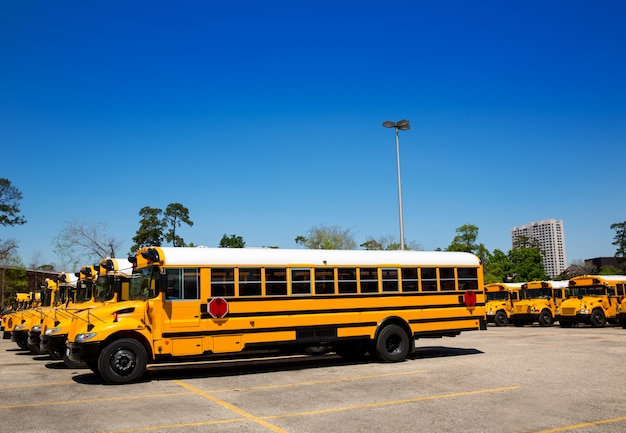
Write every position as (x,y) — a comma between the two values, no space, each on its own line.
(10,198)
(327,238)
(527,265)
(175,214)
(232,241)
(497,267)
(521,241)
(13,277)
(150,232)
(620,238)
(465,241)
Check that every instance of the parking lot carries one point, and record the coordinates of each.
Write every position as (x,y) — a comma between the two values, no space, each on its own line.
(509,379)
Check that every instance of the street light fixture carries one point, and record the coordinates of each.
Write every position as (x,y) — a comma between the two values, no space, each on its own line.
(401,125)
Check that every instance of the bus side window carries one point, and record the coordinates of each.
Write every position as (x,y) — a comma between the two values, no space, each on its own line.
(390,279)
(300,281)
(222,282)
(172,287)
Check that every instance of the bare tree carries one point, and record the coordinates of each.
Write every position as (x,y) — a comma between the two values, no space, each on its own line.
(80,243)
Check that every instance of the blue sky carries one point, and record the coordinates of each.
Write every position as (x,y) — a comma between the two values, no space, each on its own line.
(264,118)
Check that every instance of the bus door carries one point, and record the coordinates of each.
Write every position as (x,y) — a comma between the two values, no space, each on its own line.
(181,300)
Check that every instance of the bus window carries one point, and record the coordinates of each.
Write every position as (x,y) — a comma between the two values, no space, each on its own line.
(276,281)
(429,280)
(324,281)
(300,281)
(222,282)
(390,279)
(446,279)
(249,281)
(369,280)
(346,280)
(409,280)
(468,278)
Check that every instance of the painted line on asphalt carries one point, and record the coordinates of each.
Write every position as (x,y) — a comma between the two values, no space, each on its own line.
(583,425)
(230,407)
(394,402)
(317,382)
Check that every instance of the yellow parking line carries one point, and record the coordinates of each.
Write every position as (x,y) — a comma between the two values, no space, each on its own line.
(94,400)
(317,382)
(229,406)
(261,420)
(393,402)
(583,425)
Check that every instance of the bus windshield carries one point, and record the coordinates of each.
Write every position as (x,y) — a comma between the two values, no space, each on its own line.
(544,293)
(144,283)
(83,292)
(497,296)
(105,289)
(589,291)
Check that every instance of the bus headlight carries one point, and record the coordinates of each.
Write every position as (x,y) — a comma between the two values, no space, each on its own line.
(583,311)
(36,328)
(52,331)
(20,327)
(81,338)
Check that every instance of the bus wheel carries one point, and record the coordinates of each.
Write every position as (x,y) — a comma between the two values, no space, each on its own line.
(597,318)
(316,350)
(55,354)
(623,323)
(545,318)
(500,319)
(392,344)
(122,361)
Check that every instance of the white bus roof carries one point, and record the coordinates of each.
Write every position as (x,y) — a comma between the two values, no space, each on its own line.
(305,257)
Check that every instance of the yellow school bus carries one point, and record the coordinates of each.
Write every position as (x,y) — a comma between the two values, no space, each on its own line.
(82,298)
(621,311)
(98,285)
(540,302)
(191,302)
(593,300)
(501,297)
(60,293)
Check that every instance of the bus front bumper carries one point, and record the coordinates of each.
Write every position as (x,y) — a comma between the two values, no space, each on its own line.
(83,352)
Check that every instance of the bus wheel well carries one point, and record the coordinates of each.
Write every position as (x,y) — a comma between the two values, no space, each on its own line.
(133,335)
(395,320)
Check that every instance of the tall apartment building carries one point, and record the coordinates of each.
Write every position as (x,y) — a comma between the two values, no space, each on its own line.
(549,234)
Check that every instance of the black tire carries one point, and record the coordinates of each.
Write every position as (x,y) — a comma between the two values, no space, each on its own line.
(316,350)
(597,319)
(500,318)
(122,361)
(392,344)
(545,318)
(623,323)
(55,354)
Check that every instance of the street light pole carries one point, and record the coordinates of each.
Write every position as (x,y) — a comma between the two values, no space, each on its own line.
(404,126)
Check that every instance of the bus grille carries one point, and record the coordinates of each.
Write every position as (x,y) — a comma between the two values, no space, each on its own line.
(522,309)
(568,311)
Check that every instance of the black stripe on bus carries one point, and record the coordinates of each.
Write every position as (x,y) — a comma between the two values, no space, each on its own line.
(206,315)
(303,328)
